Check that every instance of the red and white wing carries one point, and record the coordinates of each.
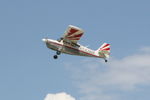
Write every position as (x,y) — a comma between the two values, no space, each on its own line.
(73,34)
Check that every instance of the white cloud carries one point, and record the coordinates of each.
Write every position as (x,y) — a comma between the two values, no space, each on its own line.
(97,80)
(59,96)
(129,72)
(145,49)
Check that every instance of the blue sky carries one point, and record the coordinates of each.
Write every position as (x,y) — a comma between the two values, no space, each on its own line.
(28,71)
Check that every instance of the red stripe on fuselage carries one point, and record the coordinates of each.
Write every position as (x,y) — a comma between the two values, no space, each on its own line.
(75,49)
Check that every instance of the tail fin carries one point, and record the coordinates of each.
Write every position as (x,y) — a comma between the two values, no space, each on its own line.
(104,51)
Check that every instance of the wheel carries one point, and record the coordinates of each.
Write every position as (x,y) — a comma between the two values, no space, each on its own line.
(106,60)
(55,56)
(58,52)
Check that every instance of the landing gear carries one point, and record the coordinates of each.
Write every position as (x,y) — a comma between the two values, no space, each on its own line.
(57,53)
(55,56)
(106,60)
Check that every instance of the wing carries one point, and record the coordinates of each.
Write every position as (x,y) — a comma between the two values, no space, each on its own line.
(73,34)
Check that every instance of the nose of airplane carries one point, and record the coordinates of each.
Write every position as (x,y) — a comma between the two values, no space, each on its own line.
(44,40)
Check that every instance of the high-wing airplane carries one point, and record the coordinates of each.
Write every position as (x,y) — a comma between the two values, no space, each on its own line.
(68,44)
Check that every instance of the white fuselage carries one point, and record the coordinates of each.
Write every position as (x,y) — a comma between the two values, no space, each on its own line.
(68,48)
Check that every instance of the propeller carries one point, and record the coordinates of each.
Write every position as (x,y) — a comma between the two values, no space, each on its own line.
(45,39)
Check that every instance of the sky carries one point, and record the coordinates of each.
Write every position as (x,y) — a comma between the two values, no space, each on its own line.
(29,72)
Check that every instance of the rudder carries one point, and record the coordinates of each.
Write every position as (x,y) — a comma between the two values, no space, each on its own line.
(104,50)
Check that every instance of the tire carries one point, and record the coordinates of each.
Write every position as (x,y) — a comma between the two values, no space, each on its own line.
(58,52)
(55,56)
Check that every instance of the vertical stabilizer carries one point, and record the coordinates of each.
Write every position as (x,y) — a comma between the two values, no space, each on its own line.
(104,51)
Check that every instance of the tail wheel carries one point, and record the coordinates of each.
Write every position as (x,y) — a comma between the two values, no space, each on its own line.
(55,56)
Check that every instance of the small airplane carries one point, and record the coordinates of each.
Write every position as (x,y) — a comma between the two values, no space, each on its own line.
(68,44)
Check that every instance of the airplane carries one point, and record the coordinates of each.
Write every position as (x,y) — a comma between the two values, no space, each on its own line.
(68,44)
